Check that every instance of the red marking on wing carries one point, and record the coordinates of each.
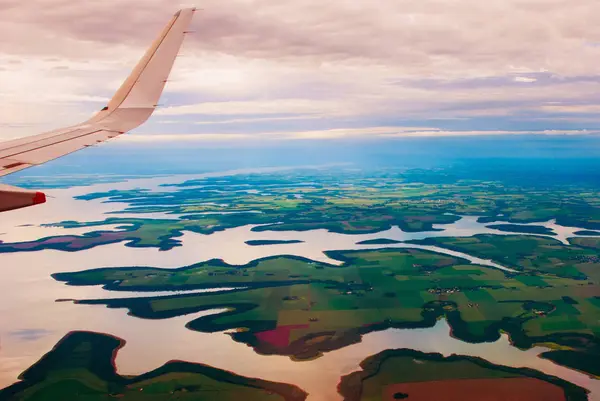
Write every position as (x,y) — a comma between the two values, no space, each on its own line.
(39,197)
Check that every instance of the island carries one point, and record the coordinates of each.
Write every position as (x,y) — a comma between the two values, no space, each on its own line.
(520,228)
(346,202)
(272,242)
(413,375)
(379,241)
(81,366)
(293,306)
(588,233)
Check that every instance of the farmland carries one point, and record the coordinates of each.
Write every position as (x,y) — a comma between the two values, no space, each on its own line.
(312,296)
(297,307)
(82,366)
(347,201)
(407,374)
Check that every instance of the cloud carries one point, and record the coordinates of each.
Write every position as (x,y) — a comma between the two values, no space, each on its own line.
(314,65)
(573,109)
(29,334)
(257,107)
(256,120)
(339,133)
(525,79)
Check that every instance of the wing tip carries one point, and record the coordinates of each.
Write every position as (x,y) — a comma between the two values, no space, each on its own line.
(185,10)
(39,198)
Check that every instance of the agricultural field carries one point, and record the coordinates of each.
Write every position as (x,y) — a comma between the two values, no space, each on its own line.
(297,307)
(341,201)
(549,293)
(407,374)
(81,367)
(586,242)
(529,253)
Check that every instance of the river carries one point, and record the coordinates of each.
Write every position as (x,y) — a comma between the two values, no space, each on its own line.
(33,322)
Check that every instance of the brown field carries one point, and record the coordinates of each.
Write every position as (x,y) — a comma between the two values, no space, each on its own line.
(509,389)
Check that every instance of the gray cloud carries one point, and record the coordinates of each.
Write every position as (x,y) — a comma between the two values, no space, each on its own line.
(377,59)
(429,36)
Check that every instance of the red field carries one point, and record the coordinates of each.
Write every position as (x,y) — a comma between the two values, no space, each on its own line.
(280,337)
(515,389)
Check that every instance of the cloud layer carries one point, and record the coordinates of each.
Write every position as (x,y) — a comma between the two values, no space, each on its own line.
(302,66)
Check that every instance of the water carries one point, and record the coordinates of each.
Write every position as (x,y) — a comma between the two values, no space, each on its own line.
(32,322)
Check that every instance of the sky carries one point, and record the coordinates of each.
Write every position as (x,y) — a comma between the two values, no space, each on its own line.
(299,70)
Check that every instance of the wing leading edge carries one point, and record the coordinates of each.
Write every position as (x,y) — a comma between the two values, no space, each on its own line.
(130,107)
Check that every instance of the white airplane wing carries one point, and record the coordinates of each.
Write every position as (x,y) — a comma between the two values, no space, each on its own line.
(130,107)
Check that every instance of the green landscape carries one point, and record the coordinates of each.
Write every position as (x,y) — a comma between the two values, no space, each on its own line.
(300,200)
(81,367)
(297,307)
(341,201)
(302,308)
(407,374)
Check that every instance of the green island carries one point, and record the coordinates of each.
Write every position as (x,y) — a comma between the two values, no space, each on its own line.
(342,201)
(527,229)
(81,367)
(526,253)
(272,242)
(588,232)
(379,241)
(408,374)
(301,308)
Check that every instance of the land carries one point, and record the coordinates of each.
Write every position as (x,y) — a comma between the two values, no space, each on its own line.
(527,229)
(407,374)
(586,242)
(526,253)
(272,242)
(378,241)
(588,232)
(302,308)
(341,201)
(581,361)
(81,366)
(297,307)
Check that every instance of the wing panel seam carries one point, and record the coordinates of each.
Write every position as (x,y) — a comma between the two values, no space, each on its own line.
(56,143)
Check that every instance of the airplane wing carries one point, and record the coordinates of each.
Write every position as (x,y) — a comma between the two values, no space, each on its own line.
(130,107)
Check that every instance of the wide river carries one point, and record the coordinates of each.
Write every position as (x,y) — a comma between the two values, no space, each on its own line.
(33,322)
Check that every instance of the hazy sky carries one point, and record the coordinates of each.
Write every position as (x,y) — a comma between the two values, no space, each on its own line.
(295,69)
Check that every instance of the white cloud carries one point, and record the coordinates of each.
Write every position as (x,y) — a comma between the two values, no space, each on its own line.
(257,62)
(258,107)
(258,120)
(525,79)
(340,133)
(573,109)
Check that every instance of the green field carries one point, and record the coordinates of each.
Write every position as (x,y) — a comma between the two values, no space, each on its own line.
(302,308)
(344,201)
(298,307)
(527,253)
(81,367)
(408,374)
(526,229)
